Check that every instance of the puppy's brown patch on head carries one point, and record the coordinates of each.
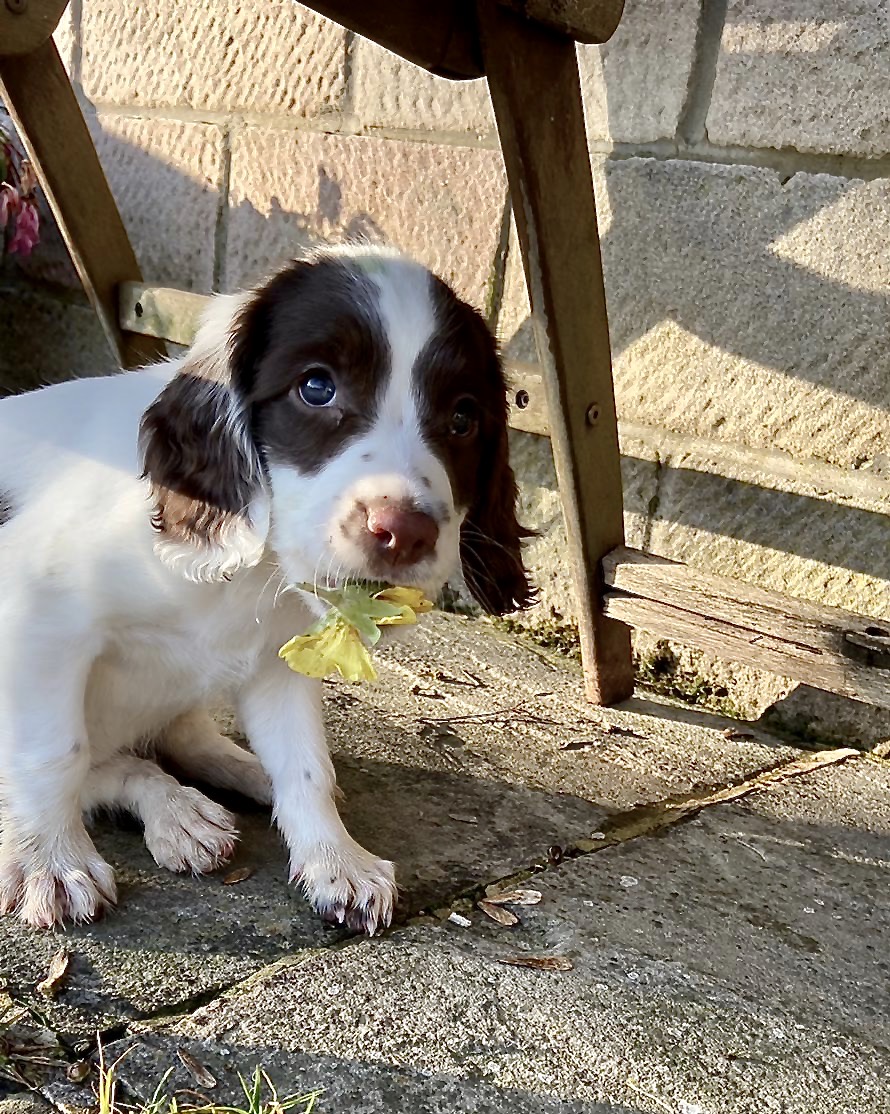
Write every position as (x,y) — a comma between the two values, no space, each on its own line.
(312,319)
(462,393)
(202,479)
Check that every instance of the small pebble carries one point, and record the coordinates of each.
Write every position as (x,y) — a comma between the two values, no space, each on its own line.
(628,881)
(456,918)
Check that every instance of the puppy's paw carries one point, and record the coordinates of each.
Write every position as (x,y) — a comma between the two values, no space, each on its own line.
(348,885)
(71,883)
(190,832)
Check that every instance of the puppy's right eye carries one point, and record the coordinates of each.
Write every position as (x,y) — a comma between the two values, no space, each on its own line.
(317,387)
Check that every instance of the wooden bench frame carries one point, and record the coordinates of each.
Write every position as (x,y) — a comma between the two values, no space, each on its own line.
(526,49)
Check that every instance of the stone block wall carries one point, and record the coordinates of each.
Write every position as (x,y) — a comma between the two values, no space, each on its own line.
(741,153)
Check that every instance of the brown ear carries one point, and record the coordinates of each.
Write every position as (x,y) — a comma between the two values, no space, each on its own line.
(211,509)
(491,540)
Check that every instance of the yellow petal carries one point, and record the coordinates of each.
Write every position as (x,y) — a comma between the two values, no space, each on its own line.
(351,657)
(412,598)
(406,616)
(336,648)
(304,655)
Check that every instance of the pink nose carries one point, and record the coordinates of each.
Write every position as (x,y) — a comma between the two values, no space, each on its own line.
(401,537)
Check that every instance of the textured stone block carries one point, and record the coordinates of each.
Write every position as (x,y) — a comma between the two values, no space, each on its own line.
(165,177)
(795,537)
(792,536)
(290,191)
(635,85)
(744,309)
(540,508)
(259,56)
(804,75)
(64,37)
(47,341)
(388,92)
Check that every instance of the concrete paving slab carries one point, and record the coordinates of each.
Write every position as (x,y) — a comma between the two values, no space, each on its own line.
(735,964)
(474,756)
(519,716)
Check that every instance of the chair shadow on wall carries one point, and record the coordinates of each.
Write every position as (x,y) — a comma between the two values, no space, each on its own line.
(729,259)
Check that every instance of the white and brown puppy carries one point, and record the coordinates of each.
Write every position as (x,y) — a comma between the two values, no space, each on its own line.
(345,420)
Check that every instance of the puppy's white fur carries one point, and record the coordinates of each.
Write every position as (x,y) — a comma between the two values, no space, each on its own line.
(105,646)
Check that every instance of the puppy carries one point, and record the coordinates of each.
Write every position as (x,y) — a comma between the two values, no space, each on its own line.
(347,419)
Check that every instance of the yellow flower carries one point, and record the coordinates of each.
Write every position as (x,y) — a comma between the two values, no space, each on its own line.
(338,643)
(411,601)
(337,647)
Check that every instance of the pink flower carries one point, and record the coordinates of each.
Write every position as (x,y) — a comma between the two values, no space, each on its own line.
(25,238)
(9,203)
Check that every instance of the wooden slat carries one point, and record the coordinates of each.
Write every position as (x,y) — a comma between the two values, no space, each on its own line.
(535,90)
(826,647)
(440,36)
(171,314)
(586,21)
(38,94)
(161,311)
(27,24)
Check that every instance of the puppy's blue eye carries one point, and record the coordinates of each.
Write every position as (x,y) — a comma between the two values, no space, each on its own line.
(317,388)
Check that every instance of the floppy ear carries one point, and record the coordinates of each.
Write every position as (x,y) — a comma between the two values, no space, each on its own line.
(491,538)
(211,503)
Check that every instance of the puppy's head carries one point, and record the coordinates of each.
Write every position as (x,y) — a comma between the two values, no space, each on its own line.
(351,415)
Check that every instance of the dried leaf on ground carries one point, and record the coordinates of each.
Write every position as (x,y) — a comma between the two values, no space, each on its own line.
(239,875)
(498,913)
(201,1074)
(539,962)
(58,969)
(78,1071)
(514,897)
(580,744)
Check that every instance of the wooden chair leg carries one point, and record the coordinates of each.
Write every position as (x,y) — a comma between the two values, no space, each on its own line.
(38,94)
(535,89)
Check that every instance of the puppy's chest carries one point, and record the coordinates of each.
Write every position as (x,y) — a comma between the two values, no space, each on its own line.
(193,655)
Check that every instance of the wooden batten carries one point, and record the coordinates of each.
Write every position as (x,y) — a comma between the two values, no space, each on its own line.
(170,314)
(825,647)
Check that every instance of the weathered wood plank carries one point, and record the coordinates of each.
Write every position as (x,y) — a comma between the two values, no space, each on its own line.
(441,37)
(38,94)
(535,90)
(27,24)
(161,311)
(586,21)
(826,647)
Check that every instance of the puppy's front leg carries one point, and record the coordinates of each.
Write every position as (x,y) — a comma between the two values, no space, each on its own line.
(281,715)
(50,871)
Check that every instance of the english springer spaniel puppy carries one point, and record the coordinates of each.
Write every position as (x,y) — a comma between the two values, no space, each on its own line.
(347,419)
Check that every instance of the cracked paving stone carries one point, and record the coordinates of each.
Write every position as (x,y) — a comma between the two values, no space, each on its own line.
(456,802)
(745,972)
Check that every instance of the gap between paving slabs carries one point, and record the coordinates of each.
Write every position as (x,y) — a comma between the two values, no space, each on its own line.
(621,828)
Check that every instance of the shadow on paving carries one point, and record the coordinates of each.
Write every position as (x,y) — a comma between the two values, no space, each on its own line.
(368,1086)
(175,939)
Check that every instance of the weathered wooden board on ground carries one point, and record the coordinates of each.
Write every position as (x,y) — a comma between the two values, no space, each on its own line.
(825,647)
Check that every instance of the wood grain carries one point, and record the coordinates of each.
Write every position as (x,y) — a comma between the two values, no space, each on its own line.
(38,94)
(586,21)
(27,24)
(535,90)
(826,647)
